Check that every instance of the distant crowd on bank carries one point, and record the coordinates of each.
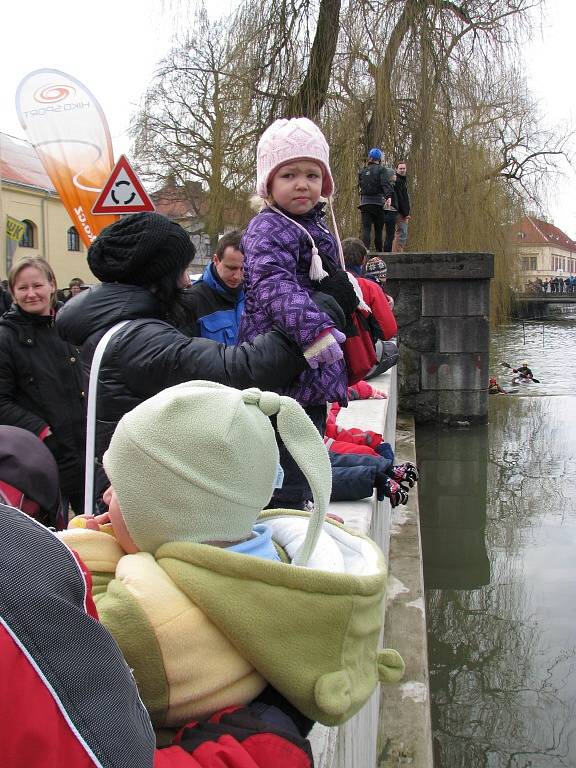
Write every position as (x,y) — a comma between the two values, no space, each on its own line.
(555,284)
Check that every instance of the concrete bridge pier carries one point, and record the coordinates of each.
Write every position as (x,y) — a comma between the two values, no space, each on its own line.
(442,305)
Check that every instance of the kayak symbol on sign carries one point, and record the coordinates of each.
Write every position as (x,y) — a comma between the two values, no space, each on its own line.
(123,192)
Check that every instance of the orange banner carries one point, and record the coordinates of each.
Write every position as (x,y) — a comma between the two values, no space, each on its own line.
(68,129)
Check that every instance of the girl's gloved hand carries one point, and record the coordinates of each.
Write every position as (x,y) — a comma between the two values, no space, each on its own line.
(325,350)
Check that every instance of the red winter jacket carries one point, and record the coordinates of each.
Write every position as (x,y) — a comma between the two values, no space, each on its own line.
(359,350)
(236,738)
(67,696)
(374,296)
(334,436)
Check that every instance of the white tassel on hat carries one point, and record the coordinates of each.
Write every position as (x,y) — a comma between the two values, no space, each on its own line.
(357,290)
(317,271)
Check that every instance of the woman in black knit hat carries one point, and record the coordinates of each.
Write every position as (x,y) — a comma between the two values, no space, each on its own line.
(142,261)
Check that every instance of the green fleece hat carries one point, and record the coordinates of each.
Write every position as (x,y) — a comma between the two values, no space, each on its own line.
(198,462)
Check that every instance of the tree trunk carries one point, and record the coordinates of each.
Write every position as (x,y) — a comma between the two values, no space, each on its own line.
(311,96)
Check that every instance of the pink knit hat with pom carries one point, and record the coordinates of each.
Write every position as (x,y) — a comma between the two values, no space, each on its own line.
(286,140)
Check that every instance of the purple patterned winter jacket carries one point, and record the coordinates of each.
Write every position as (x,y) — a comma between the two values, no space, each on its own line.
(277,256)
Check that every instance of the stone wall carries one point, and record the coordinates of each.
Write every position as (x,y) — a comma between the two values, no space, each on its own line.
(442,303)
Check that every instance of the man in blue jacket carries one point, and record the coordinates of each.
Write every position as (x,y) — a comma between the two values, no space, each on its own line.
(215,302)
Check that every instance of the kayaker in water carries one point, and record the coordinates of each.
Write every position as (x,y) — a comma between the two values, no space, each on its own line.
(494,388)
(523,374)
(523,371)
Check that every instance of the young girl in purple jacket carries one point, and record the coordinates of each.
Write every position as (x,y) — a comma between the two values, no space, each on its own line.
(286,247)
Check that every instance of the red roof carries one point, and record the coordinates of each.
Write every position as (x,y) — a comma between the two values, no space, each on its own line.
(171,201)
(178,203)
(533,231)
(19,164)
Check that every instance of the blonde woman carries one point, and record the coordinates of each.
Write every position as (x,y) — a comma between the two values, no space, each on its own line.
(40,375)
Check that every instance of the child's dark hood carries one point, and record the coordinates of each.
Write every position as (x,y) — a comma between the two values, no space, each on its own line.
(27,464)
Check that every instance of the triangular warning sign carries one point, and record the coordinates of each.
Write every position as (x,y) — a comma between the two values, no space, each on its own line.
(123,192)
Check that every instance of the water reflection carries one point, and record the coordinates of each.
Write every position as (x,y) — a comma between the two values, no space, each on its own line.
(499,535)
(452,494)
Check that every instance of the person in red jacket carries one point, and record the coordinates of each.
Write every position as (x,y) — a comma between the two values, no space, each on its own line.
(68,697)
(355,253)
(362,461)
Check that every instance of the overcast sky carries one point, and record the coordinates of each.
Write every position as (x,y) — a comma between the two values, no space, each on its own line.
(114,49)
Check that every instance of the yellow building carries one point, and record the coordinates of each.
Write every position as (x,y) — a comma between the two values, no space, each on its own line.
(544,251)
(27,194)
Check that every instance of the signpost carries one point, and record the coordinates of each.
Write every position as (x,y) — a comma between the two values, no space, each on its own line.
(123,192)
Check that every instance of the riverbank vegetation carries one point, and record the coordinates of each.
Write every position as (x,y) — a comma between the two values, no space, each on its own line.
(433,82)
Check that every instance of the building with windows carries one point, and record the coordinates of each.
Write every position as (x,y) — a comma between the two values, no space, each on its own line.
(27,195)
(544,251)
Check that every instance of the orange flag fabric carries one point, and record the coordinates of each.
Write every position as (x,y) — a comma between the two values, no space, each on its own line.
(68,129)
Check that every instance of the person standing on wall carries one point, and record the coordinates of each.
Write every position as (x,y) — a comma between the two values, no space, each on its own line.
(403,217)
(390,212)
(375,192)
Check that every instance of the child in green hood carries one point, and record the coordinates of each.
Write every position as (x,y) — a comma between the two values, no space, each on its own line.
(206,627)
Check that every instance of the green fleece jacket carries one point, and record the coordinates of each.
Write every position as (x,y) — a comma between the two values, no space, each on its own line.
(204,627)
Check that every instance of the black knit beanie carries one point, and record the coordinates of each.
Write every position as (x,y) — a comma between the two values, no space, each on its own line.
(139,249)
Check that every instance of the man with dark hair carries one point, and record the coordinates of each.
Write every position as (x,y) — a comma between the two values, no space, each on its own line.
(403,217)
(375,192)
(215,302)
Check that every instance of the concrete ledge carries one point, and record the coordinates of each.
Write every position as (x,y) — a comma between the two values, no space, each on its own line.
(396,720)
(445,266)
(405,736)
(354,744)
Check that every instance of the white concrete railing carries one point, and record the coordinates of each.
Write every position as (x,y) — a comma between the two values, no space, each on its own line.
(354,744)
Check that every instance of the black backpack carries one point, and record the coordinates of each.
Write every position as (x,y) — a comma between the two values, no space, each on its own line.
(370,180)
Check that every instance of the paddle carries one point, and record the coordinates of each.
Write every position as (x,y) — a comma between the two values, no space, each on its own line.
(507,365)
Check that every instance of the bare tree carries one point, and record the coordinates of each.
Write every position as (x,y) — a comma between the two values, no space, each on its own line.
(188,129)
(435,82)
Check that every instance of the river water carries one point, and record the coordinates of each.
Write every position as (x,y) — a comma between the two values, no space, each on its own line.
(498,520)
